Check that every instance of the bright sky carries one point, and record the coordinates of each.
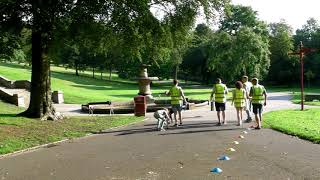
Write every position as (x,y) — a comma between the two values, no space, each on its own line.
(294,12)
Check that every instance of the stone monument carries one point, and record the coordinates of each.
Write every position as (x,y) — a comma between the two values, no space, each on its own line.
(144,83)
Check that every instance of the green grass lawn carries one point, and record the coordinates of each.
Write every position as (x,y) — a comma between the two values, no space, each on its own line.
(84,89)
(296,97)
(17,133)
(304,124)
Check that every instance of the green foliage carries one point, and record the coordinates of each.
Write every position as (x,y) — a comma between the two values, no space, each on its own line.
(239,47)
(238,17)
(283,66)
(309,35)
(84,89)
(195,59)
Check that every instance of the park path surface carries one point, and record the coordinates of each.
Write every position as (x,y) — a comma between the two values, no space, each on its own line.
(188,152)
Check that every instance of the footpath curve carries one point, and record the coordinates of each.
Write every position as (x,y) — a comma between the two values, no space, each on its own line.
(188,152)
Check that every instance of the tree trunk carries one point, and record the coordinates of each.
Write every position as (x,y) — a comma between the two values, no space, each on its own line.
(77,67)
(101,75)
(110,72)
(40,94)
(186,78)
(176,72)
(207,78)
(93,72)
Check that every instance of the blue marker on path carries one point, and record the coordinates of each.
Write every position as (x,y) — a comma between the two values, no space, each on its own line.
(216,170)
(224,158)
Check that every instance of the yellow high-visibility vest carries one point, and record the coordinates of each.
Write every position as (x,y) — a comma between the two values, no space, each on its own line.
(175,95)
(219,95)
(239,99)
(257,94)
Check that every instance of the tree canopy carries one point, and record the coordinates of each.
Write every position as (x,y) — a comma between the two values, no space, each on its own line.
(144,37)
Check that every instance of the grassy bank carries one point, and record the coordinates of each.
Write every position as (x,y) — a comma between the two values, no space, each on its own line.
(304,124)
(83,89)
(18,133)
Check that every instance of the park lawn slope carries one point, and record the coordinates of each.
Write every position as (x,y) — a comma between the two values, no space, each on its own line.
(83,89)
(296,97)
(17,133)
(303,124)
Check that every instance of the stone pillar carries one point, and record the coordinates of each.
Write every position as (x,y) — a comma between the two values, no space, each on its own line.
(144,83)
(144,87)
(18,100)
(57,97)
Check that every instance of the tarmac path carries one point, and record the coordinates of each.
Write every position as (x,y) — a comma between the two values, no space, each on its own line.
(188,152)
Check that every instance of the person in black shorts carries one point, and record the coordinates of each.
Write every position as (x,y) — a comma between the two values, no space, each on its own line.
(219,92)
(259,99)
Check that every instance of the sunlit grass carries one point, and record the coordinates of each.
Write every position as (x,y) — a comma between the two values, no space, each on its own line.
(304,124)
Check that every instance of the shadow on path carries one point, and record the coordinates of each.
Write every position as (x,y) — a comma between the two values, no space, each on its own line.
(185,129)
(202,131)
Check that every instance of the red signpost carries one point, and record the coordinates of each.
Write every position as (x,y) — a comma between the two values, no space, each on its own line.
(301,52)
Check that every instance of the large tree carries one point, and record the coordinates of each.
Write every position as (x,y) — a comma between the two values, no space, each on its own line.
(132,20)
(282,69)
(309,34)
(196,57)
(240,46)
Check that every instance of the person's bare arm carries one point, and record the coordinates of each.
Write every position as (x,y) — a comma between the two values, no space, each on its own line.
(212,92)
(247,95)
(226,91)
(167,93)
(167,116)
(233,97)
(182,95)
(251,92)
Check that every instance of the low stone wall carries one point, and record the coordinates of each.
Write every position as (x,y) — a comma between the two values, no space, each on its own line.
(57,96)
(12,98)
(5,82)
(22,84)
(311,97)
(19,84)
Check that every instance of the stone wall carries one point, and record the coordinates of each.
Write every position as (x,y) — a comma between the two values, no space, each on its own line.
(20,84)
(12,98)
(5,82)
(311,97)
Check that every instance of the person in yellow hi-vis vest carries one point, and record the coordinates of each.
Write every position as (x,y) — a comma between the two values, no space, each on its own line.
(177,96)
(259,99)
(239,99)
(219,92)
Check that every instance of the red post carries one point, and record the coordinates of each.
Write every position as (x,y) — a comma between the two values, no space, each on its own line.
(140,106)
(301,53)
(301,76)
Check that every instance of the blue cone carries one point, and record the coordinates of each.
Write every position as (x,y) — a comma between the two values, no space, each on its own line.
(216,170)
(224,158)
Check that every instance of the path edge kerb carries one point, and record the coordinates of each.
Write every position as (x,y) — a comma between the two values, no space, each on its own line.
(31,149)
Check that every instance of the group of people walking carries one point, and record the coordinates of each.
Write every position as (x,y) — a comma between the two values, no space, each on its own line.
(246,96)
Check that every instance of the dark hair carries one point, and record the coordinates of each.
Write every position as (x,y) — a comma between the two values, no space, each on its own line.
(175,81)
(239,85)
(255,79)
(245,77)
